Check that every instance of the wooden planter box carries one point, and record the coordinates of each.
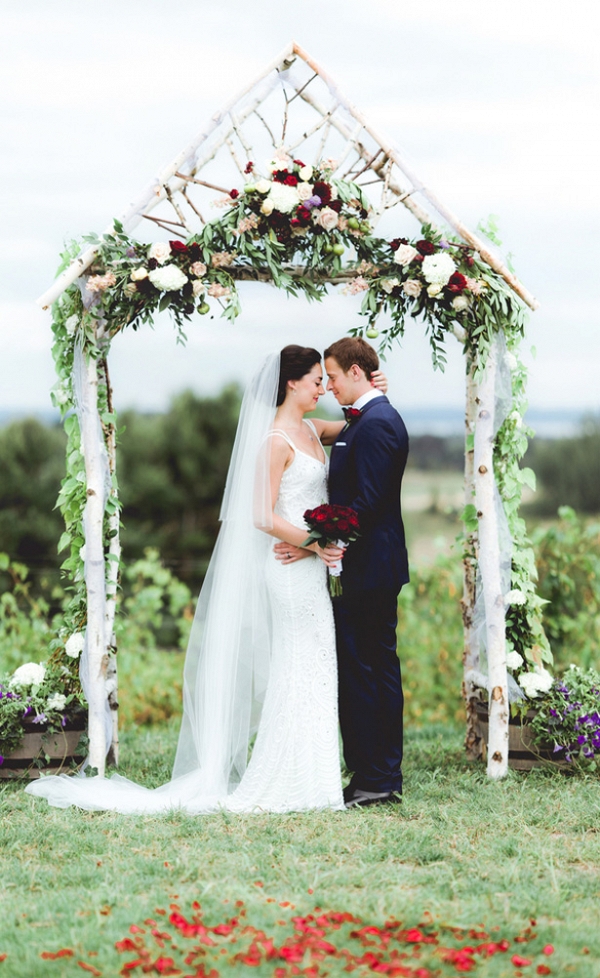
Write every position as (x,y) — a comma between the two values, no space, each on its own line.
(29,759)
(523,753)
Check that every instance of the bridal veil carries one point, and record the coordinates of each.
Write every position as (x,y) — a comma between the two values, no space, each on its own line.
(227,662)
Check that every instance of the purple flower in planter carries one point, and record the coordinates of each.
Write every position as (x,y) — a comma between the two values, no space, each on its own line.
(588,752)
(1,759)
(28,710)
(557,747)
(40,718)
(63,722)
(582,739)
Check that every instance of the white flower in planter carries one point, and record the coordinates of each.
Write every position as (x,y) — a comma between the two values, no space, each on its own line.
(74,645)
(514,660)
(536,682)
(29,674)
(56,702)
(515,597)
(71,324)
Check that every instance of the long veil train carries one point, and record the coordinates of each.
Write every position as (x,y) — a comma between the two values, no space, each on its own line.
(227,662)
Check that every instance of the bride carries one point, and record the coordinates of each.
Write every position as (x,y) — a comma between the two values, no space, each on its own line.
(261,658)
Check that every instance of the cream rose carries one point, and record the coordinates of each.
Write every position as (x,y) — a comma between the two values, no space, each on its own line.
(198,268)
(405,254)
(390,283)
(263,186)
(434,290)
(138,274)
(305,172)
(305,190)
(412,287)
(327,218)
(267,207)
(198,287)
(460,303)
(160,251)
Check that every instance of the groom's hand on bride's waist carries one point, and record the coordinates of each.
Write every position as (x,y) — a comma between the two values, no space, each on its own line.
(288,554)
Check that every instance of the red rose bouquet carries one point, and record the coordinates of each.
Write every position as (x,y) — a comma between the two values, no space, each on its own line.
(332,524)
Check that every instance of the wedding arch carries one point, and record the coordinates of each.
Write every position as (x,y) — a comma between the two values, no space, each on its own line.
(303,181)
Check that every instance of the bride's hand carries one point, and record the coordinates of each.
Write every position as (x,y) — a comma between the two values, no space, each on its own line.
(379,381)
(330,554)
(288,554)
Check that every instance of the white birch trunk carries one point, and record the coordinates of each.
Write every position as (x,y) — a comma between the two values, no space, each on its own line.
(112,582)
(489,567)
(473,740)
(93,448)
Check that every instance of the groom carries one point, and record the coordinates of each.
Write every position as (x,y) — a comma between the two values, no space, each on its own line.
(366,468)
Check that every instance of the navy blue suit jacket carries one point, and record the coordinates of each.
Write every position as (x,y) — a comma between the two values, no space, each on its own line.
(366,468)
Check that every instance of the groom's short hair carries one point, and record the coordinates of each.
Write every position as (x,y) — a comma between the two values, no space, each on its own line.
(353,349)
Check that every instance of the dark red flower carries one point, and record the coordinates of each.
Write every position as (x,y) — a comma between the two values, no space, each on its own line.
(425,247)
(395,244)
(322,190)
(469,261)
(457,283)
(343,526)
(195,252)
(280,175)
(234,193)
(336,205)
(178,246)
(299,163)
(303,216)
(543,969)
(249,167)
(152,264)
(291,180)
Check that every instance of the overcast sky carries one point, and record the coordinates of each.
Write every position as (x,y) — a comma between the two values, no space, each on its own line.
(495,104)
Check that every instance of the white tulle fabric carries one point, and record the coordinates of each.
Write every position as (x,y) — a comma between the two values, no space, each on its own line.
(261,658)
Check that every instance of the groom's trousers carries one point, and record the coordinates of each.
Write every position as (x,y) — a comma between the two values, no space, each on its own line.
(370,688)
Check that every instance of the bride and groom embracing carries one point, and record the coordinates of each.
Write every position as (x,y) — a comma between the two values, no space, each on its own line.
(273,662)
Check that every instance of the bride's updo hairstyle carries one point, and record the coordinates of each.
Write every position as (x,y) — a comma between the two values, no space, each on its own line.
(295,363)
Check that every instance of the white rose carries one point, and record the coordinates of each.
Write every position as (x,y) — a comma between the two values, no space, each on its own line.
(283,198)
(514,660)
(305,191)
(198,268)
(29,674)
(198,287)
(327,218)
(515,597)
(438,268)
(305,172)
(405,254)
(71,324)
(138,274)
(74,645)
(412,287)
(267,207)
(388,284)
(160,251)
(434,290)
(56,702)
(169,278)
(460,303)
(263,186)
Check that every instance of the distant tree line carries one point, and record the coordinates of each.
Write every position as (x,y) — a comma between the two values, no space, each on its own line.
(172,470)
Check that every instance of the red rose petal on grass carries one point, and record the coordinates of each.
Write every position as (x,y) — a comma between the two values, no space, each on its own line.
(543,969)
(3,957)
(549,949)
(520,962)
(64,952)
(90,967)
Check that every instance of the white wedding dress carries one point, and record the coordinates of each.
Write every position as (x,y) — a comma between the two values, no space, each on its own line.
(295,761)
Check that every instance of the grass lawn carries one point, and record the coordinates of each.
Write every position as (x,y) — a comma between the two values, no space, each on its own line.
(467,851)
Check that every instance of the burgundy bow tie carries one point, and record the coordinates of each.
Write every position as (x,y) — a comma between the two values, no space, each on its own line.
(351,414)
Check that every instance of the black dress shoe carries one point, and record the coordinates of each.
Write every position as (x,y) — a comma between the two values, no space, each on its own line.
(357,798)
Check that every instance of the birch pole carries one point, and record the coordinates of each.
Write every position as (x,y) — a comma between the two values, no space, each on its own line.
(92,443)
(473,741)
(112,579)
(489,568)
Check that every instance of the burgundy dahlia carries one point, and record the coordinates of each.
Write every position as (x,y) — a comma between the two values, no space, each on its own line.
(457,283)
(425,247)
